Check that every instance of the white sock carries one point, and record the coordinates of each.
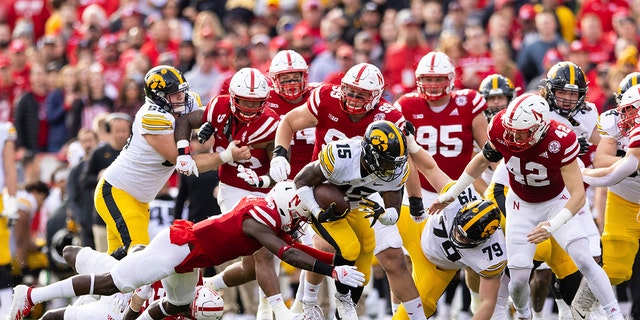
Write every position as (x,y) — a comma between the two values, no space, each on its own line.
(57,290)
(475,302)
(563,308)
(277,303)
(5,300)
(394,307)
(145,315)
(613,310)
(310,292)
(414,309)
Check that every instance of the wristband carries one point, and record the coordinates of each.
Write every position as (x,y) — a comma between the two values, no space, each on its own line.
(226,156)
(183,147)
(561,218)
(280,151)
(282,250)
(463,182)
(264,182)
(320,267)
(412,145)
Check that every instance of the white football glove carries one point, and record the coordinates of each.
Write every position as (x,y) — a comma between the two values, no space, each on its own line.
(120,302)
(279,169)
(348,275)
(186,165)
(389,217)
(145,292)
(10,209)
(251,177)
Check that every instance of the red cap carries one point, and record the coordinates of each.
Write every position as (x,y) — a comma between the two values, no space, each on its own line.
(527,12)
(278,43)
(301,31)
(17,46)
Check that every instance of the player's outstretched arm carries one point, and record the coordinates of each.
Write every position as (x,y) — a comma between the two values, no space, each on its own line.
(608,176)
(288,253)
(473,170)
(186,122)
(488,296)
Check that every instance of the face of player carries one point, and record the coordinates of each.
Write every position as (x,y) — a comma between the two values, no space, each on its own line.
(434,85)
(355,99)
(566,99)
(248,109)
(177,101)
(291,84)
(497,103)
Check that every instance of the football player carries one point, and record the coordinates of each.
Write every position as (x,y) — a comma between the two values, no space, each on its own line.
(618,132)
(374,166)
(289,73)
(242,118)
(339,112)
(123,193)
(565,89)
(175,254)
(546,192)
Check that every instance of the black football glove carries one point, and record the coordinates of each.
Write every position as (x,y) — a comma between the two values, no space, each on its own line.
(205,132)
(331,214)
(373,207)
(584,146)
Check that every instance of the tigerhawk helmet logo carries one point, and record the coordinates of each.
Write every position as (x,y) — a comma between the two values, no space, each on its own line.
(380,140)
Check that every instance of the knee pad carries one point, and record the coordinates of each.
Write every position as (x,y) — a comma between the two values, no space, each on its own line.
(618,254)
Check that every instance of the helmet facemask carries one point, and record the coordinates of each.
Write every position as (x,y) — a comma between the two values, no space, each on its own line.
(433,87)
(290,84)
(567,102)
(247,109)
(627,117)
(383,165)
(495,105)
(356,100)
(520,139)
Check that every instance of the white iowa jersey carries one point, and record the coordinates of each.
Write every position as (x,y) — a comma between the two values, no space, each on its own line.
(487,259)
(139,169)
(608,128)
(340,164)
(585,121)
(7,133)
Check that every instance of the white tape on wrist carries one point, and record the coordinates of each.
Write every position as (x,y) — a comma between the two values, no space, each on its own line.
(558,220)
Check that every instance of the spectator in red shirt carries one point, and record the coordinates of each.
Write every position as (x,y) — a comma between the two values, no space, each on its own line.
(593,40)
(603,10)
(159,41)
(20,68)
(36,11)
(477,63)
(401,57)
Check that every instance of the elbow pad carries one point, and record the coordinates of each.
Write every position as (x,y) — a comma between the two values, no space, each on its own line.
(491,154)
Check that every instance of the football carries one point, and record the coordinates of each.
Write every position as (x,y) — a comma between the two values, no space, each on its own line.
(326,193)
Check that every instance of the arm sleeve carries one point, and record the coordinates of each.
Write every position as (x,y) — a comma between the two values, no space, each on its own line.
(627,166)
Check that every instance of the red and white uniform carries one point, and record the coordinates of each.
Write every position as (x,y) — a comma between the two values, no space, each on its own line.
(537,190)
(228,128)
(444,132)
(303,140)
(334,124)
(175,253)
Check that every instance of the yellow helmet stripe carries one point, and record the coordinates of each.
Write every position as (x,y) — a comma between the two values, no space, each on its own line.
(494,83)
(175,72)
(634,81)
(477,217)
(572,74)
(399,135)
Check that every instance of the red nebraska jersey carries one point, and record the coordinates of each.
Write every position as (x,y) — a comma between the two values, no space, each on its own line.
(334,124)
(303,140)
(228,128)
(446,135)
(534,173)
(221,238)
(634,137)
